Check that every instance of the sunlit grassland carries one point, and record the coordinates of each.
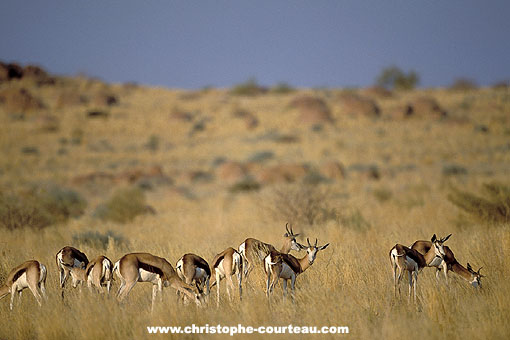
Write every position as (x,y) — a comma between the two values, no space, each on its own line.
(350,284)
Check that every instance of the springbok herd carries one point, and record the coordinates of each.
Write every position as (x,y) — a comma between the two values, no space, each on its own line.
(192,274)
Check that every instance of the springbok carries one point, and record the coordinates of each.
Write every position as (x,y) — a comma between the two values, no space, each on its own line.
(97,273)
(67,258)
(225,265)
(145,267)
(285,266)
(403,259)
(192,268)
(30,274)
(255,251)
(450,263)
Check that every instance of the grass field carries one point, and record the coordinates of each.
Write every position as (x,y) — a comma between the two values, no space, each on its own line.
(397,174)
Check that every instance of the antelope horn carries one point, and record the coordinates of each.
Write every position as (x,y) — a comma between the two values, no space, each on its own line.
(291,231)
(316,243)
(287,227)
(308,240)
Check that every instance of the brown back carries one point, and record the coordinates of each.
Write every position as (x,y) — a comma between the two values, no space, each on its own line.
(197,261)
(17,271)
(70,253)
(153,264)
(413,254)
(289,260)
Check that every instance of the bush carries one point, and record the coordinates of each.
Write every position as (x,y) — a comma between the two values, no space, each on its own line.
(98,240)
(355,221)
(248,88)
(123,206)
(493,206)
(282,88)
(247,184)
(394,78)
(40,207)
(299,204)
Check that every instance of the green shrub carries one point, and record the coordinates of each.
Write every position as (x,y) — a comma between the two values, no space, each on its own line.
(493,206)
(394,78)
(39,207)
(123,206)
(282,88)
(248,88)
(247,184)
(383,194)
(355,221)
(99,240)
(302,204)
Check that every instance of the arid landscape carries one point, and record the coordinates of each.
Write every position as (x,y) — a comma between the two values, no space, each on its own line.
(117,168)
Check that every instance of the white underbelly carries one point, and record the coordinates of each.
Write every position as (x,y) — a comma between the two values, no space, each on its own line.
(220,270)
(146,276)
(21,283)
(436,262)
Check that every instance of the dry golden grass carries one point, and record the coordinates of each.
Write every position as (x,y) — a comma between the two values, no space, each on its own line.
(351,282)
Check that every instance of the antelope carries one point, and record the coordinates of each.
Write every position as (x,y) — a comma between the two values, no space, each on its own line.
(145,267)
(225,265)
(67,258)
(98,273)
(285,266)
(253,250)
(192,268)
(30,274)
(450,263)
(403,259)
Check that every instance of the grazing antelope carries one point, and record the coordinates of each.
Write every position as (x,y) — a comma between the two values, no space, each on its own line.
(255,251)
(145,267)
(450,263)
(403,259)
(225,265)
(285,266)
(98,273)
(67,258)
(192,268)
(30,274)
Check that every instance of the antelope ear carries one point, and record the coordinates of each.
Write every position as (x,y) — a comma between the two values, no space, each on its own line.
(285,235)
(446,238)
(296,235)
(434,238)
(324,246)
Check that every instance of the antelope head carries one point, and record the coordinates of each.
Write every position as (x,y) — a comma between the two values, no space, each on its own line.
(289,235)
(475,276)
(313,250)
(437,243)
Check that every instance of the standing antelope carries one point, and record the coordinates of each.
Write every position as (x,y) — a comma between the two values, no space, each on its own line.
(192,268)
(30,274)
(450,263)
(255,251)
(145,267)
(403,259)
(67,258)
(98,273)
(288,267)
(225,265)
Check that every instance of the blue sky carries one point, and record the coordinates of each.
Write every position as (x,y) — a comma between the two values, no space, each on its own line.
(191,44)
